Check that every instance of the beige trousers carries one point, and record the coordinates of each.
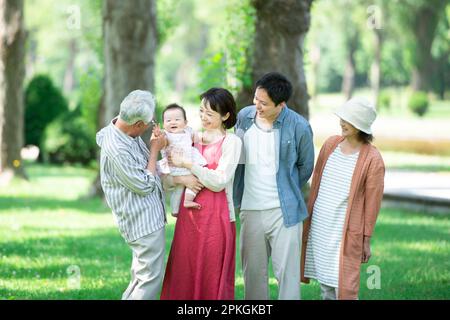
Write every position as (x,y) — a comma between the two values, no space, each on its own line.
(147,269)
(327,292)
(264,235)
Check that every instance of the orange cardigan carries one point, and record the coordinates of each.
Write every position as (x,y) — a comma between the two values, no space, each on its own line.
(366,193)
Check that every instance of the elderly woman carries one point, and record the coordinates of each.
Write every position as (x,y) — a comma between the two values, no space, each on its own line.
(344,201)
(201,263)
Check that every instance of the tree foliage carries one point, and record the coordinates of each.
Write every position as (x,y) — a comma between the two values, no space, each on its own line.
(43,103)
(69,139)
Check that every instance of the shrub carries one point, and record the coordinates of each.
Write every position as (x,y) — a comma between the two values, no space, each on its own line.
(385,100)
(69,139)
(418,103)
(43,103)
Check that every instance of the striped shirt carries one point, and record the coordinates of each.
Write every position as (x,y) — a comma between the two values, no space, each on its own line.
(133,193)
(324,240)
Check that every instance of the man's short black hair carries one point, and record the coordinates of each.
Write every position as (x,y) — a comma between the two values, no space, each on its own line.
(278,87)
(173,106)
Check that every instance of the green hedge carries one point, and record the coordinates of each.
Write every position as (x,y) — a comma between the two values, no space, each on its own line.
(43,103)
(69,139)
(418,103)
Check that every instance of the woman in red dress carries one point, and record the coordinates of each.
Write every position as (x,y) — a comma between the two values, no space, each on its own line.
(201,263)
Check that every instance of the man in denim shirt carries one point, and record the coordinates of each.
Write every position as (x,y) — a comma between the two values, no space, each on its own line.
(278,160)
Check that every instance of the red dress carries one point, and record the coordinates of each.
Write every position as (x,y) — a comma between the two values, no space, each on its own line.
(201,262)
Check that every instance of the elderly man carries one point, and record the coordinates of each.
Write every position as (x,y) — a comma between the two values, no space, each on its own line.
(134,192)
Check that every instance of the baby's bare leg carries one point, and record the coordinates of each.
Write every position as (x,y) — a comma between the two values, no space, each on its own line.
(175,199)
(189,197)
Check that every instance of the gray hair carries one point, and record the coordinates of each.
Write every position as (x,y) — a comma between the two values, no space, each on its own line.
(138,105)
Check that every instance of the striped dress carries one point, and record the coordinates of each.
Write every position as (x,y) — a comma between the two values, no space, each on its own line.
(324,240)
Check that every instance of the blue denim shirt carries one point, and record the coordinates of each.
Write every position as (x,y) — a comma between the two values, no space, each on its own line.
(294,151)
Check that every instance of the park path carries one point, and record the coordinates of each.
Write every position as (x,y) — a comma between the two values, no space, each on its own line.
(418,191)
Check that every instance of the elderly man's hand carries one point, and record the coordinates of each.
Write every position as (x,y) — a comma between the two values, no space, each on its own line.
(158,139)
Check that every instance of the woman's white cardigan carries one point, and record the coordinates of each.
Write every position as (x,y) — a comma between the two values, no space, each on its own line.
(223,176)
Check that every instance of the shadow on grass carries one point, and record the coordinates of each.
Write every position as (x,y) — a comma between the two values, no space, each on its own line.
(412,258)
(83,294)
(38,171)
(408,232)
(102,255)
(97,243)
(95,205)
(418,270)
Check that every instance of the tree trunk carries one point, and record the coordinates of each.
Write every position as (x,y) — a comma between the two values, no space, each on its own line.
(315,63)
(31,55)
(281,26)
(12,72)
(348,81)
(375,70)
(130,40)
(130,43)
(443,75)
(96,188)
(424,33)
(69,74)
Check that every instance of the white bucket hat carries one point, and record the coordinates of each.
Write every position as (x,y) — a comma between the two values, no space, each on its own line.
(359,112)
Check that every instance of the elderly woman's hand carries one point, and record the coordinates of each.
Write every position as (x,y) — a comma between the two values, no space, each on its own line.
(366,250)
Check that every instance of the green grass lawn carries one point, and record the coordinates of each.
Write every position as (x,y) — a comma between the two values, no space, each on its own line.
(46,232)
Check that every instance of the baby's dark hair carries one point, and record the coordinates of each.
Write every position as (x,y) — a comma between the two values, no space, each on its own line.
(173,106)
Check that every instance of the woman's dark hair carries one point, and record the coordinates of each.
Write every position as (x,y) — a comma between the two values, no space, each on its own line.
(173,106)
(221,101)
(278,87)
(365,137)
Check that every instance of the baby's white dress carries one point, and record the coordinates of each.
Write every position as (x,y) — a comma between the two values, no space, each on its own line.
(182,142)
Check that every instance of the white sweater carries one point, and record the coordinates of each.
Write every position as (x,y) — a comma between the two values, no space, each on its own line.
(223,176)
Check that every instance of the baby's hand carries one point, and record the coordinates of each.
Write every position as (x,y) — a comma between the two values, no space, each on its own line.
(158,139)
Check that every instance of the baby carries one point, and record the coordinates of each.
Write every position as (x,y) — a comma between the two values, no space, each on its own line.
(179,137)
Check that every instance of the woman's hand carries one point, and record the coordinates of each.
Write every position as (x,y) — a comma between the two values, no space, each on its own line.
(190,182)
(177,158)
(366,250)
